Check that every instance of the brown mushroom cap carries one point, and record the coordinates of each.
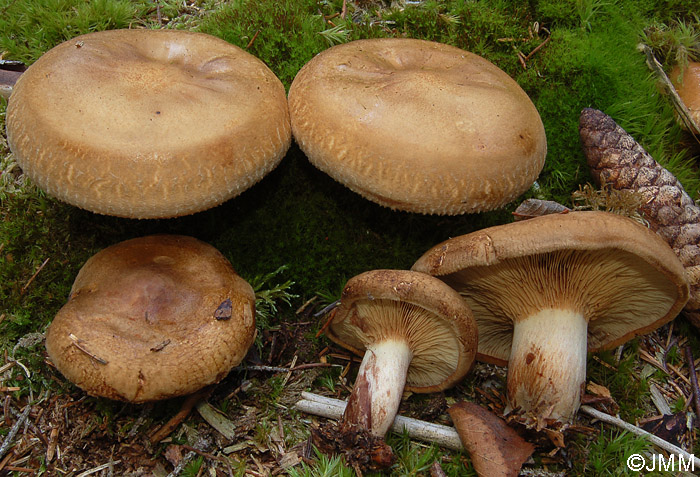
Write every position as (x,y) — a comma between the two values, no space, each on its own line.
(417,125)
(415,307)
(152,318)
(147,123)
(688,87)
(624,278)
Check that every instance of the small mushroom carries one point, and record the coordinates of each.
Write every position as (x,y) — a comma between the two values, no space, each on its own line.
(414,333)
(417,126)
(544,291)
(147,123)
(687,85)
(152,318)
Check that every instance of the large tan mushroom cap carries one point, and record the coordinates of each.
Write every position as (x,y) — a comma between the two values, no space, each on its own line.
(417,308)
(688,87)
(417,125)
(152,318)
(147,123)
(621,275)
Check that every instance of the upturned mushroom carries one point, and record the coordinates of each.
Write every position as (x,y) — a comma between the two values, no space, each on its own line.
(147,123)
(686,81)
(414,333)
(417,126)
(152,318)
(544,291)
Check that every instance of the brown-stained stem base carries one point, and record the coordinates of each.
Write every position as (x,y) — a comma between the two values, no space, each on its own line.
(352,436)
(361,449)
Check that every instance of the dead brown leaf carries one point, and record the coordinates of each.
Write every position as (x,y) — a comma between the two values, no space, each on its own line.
(495,449)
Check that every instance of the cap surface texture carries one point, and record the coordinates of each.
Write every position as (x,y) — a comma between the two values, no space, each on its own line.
(152,318)
(417,126)
(147,123)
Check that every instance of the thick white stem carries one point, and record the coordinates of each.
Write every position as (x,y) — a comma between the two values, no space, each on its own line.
(378,388)
(547,367)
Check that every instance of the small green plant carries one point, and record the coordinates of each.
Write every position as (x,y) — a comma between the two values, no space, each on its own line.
(193,467)
(323,466)
(676,43)
(269,296)
(608,454)
(336,35)
(587,10)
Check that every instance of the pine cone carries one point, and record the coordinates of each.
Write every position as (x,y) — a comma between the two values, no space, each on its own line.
(617,160)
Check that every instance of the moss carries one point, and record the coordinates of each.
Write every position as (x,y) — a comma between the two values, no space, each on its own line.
(31,27)
(284,34)
(300,217)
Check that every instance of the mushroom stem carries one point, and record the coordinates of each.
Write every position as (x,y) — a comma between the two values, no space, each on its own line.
(547,366)
(378,389)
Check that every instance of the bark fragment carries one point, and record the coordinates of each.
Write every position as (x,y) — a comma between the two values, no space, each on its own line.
(616,159)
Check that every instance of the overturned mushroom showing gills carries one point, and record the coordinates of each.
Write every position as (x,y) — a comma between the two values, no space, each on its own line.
(147,123)
(153,318)
(414,333)
(417,126)
(544,291)
(687,84)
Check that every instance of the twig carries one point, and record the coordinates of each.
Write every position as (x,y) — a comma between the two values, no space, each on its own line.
(330,408)
(158,14)
(250,43)
(537,48)
(98,468)
(79,344)
(326,309)
(278,369)
(31,279)
(182,414)
(206,455)
(657,441)
(13,432)
(693,382)
(680,106)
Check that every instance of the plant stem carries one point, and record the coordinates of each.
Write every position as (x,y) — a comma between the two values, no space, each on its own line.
(444,436)
(657,441)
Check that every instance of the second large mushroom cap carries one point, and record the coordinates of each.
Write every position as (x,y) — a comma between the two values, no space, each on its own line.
(418,126)
(544,291)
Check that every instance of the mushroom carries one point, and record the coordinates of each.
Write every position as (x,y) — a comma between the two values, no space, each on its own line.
(10,71)
(152,318)
(417,125)
(147,123)
(687,84)
(414,333)
(544,291)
